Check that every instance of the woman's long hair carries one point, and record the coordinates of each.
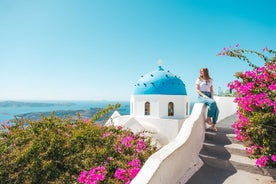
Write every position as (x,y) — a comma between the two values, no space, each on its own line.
(204,75)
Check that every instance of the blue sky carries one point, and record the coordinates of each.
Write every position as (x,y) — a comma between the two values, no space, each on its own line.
(98,49)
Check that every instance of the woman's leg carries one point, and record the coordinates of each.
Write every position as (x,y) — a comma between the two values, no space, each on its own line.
(212,112)
(207,102)
(215,117)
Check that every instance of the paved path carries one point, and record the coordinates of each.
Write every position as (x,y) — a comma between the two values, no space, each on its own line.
(211,174)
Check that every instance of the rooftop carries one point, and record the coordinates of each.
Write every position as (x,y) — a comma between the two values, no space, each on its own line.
(160,82)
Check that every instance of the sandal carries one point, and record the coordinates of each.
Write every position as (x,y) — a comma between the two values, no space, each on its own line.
(208,122)
(214,128)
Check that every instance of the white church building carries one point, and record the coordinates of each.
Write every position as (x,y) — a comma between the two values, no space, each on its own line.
(160,94)
(159,104)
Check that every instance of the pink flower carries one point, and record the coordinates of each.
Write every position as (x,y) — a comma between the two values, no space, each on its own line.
(237,45)
(127,141)
(106,134)
(272,87)
(133,172)
(98,125)
(252,149)
(93,176)
(119,148)
(82,177)
(110,158)
(265,49)
(127,175)
(120,174)
(134,163)
(271,66)
(255,96)
(96,174)
(248,150)
(275,107)
(262,99)
(261,162)
(140,145)
(222,53)
(86,121)
(273,157)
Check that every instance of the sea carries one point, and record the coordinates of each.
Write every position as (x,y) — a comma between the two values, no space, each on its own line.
(10,109)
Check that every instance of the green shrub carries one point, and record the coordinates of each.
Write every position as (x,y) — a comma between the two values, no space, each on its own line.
(56,150)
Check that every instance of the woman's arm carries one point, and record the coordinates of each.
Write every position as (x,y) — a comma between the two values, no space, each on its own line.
(212,91)
(199,92)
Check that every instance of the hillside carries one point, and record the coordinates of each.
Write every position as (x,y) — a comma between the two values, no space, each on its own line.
(32,104)
(87,113)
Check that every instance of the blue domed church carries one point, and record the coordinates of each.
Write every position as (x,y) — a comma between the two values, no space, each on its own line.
(159,94)
(159,104)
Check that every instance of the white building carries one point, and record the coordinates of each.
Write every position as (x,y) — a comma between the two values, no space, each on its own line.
(159,104)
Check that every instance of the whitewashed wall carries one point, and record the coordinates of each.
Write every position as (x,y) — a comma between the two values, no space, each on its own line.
(226,106)
(178,161)
(159,105)
(181,139)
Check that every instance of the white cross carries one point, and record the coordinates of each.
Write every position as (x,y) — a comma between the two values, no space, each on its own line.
(160,62)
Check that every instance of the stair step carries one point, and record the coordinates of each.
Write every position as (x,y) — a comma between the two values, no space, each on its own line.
(225,130)
(249,165)
(220,149)
(220,129)
(248,178)
(221,138)
(222,153)
(236,162)
(217,137)
(237,149)
(232,138)
(225,159)
(210,175)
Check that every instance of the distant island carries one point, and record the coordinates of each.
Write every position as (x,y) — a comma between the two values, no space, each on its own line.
(88,113)
(35,110)
(32,104)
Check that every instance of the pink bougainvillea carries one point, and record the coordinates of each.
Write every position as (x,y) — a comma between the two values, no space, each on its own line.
(256,99)
(93,176)
(261,162)
(128,174)
(128,149)
(273,157)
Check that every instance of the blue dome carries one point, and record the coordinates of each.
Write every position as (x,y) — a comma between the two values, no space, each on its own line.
(160,82)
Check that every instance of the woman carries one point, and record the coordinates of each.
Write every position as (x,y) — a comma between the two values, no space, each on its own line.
(204,87)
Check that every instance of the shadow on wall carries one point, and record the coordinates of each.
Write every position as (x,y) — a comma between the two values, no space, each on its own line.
(191,106)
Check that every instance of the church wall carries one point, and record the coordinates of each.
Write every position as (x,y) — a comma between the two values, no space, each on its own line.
(159,105)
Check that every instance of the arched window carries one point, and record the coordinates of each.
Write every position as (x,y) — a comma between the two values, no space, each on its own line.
(187,108)
(170,109)
(131,108)
(147,108)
